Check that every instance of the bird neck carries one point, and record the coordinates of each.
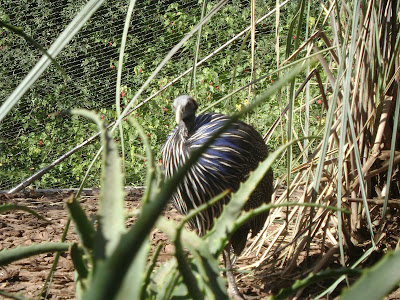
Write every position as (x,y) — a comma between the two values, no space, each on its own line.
(188,123)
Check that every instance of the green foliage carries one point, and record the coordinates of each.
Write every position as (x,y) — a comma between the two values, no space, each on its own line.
(90,61)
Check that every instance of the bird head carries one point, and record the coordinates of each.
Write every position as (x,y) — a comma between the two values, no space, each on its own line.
(184,106)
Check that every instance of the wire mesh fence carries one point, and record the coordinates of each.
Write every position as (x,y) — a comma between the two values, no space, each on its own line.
(37,132)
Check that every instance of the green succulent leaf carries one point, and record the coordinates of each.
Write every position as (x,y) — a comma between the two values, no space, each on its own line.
(10,255)
(83,226)
(12,207)
(111,207)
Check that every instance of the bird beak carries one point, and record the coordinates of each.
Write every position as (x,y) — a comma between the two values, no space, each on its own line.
(178,114)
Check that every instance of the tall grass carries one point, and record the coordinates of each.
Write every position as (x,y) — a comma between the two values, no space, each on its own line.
(352,165)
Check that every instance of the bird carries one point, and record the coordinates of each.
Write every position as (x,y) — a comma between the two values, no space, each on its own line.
(224,165)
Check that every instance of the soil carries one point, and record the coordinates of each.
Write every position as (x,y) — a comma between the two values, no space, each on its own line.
(27,276)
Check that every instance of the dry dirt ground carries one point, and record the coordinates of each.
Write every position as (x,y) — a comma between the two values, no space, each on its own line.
(28,275)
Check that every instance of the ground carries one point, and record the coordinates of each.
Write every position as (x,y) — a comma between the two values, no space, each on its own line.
(28,275)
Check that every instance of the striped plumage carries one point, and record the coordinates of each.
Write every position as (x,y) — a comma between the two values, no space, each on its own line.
(224,165)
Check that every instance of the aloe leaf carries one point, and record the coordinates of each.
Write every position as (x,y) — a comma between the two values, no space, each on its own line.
(133,281)
(109,275)
(149,271)
(111,208)
(79,264)
(10,207)
(384,276)
(83,226)
(174,288)
(209,269)
(165,279)
(186,271)
(13,296)
(10,255)
(201,274)
(81,269)
(207,265)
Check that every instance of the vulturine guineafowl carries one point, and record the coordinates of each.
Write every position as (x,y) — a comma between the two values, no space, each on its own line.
(224,165)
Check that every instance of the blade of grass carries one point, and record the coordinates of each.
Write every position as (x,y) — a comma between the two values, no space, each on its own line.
(32,41)
(252,46)
(192,82)
(392,154)
(119,74)
(150,160)
(185,270)
(46,285)
(333,286)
